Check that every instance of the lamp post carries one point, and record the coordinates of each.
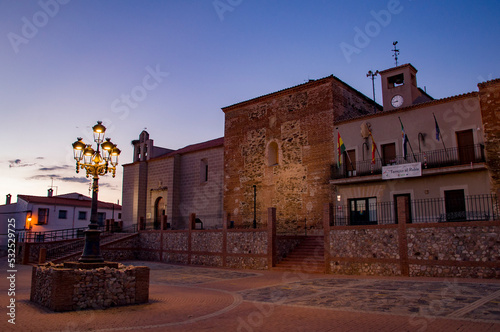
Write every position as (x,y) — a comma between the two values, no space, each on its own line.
(95,162)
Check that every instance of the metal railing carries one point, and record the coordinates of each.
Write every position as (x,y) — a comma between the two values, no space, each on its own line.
(49,236)
(60,234)
(428,159)
(469,208)
(75,247)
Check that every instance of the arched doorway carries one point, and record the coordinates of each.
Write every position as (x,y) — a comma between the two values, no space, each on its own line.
(159,212)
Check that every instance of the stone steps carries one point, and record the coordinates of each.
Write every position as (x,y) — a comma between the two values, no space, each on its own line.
(308,256)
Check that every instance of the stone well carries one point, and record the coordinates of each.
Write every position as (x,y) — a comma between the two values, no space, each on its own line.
(79,286)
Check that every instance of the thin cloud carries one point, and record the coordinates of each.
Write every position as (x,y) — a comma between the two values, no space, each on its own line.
(55,168)
(18,163)
(72,179)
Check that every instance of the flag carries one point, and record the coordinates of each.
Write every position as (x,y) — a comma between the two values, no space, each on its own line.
(341,148)
(374,148)
(404,140)
(438,132)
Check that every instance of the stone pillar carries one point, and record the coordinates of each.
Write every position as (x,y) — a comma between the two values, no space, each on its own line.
(42,256)
(164,222)
(191,226)
(327,221)
(225,226)
(142,224)
(192,221)
(272,244)
(26,253)
(403,218)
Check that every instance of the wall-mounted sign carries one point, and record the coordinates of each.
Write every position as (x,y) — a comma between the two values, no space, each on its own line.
(401,171)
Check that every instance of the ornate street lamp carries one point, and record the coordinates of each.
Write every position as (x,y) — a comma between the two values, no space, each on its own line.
(95,162)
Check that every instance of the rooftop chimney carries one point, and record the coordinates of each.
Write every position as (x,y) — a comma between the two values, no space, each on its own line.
(50,192)
(7,200)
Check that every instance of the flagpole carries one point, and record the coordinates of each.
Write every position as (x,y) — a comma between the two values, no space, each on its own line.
(442,140)
(408,140)
(379,156)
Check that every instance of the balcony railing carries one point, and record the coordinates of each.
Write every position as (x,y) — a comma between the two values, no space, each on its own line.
(469,208)
(429,159)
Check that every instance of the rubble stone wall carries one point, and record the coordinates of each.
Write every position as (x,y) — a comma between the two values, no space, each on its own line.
(469,250)
(65,289)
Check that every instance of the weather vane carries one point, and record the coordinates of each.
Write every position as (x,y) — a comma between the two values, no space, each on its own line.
(396,52)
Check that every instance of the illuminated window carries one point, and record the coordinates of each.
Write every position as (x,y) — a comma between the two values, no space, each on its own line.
(43,216)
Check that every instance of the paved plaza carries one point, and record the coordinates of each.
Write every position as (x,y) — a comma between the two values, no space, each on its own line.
(187,298)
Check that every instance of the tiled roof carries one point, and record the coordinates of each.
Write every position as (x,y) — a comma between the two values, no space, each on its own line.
(54,200)
(198,146)
(412,107)
(488,83)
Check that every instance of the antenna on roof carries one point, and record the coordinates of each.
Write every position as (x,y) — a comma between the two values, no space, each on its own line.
(396,52)
(52,185)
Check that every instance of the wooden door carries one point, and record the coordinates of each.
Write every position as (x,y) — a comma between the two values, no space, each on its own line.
(465,142)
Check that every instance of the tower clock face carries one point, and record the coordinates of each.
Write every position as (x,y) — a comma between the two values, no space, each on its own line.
(397,101)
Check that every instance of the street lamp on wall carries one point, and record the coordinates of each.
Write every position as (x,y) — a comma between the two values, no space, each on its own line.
(95,162)
(29,215)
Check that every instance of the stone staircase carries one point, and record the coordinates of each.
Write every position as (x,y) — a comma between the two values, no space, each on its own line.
(61,253)
(308,257)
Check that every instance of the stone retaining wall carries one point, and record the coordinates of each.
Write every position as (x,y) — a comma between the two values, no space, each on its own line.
(243,248)
(67,289)
(469,250)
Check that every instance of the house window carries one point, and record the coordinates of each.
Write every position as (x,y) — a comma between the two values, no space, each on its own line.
(82,215)
(204,170)
(63,214)
(272,154)
(119,216)
(43,216)
(363,211)
(389,154)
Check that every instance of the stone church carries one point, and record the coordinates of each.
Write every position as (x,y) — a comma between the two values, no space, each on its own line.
(281,150)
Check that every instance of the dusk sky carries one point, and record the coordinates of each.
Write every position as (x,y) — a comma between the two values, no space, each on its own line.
(170,66)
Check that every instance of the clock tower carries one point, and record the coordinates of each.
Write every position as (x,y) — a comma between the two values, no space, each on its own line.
(399,88)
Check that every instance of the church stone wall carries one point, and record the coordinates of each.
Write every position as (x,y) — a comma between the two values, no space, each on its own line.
(299,121)
(197,195)
(489,94)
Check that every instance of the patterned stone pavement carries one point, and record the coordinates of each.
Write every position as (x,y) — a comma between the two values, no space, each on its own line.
(187,298)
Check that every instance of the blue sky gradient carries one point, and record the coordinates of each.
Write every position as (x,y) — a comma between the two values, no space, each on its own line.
(84,58)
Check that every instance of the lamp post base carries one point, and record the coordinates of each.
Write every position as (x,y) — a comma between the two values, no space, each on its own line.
(92,250)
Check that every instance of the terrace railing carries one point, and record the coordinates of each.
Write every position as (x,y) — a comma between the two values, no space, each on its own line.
(428,159)
(471,208)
